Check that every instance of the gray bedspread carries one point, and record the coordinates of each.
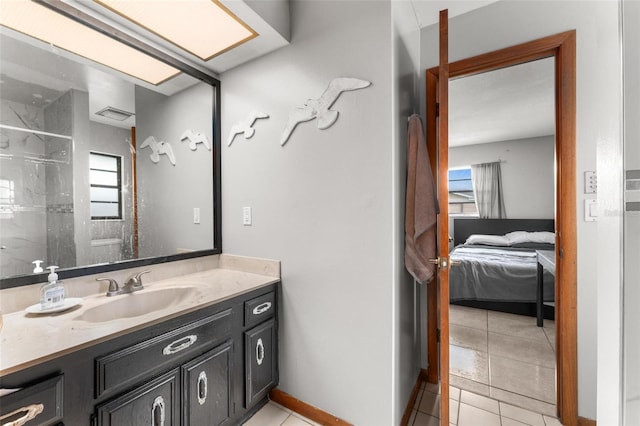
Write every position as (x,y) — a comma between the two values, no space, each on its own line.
(496,274)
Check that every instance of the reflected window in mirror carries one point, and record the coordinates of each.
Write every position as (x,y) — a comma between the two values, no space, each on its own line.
(106,186)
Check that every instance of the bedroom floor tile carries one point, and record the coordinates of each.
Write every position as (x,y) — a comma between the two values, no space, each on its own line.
(524,327)
(469,363)
(521,355)
(470,385)
(467,337)
(468,317)
(550,331)
(526,379)
(524,402)
(525,350)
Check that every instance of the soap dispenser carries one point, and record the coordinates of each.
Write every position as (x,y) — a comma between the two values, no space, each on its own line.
(38,268)
(52,293)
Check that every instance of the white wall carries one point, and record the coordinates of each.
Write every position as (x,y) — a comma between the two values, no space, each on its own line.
(167,194)
(324,204)
(527,173)
(507,23)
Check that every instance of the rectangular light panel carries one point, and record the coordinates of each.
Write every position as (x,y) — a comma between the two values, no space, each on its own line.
(204,28)
(50,27)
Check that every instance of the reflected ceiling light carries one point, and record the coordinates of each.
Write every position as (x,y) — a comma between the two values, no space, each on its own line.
(53,28)
(205,28)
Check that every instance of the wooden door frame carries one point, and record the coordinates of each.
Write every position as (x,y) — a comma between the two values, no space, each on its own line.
(562,47)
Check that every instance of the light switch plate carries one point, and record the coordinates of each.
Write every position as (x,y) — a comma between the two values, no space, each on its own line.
(590,210)
(246,216)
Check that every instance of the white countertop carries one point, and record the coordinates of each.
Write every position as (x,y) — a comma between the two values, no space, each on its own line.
(28,339)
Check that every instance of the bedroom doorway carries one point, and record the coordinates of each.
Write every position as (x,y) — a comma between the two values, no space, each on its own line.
(561,49)
(502,122)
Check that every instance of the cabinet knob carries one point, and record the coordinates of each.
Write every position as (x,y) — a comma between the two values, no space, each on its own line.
(157,411)
(259,352)
(262,308)
(31,412)
(202,388)
(179,345)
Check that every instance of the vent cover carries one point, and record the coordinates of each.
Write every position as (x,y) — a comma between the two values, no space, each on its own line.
(114,113)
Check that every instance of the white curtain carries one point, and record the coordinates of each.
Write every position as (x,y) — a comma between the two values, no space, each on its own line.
(487,188)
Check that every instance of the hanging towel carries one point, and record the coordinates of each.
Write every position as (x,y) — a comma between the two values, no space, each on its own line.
(421,210)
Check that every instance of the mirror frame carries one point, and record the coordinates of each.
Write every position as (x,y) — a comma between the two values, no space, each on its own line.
(106,29)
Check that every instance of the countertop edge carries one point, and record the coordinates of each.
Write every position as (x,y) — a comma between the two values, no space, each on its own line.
(257,281)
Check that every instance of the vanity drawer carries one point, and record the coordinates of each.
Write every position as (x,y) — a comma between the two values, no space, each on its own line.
(131,365)
(259,309)
(41,403)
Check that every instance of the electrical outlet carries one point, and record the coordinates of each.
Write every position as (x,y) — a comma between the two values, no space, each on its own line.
(590,183)
(196,215)
(246,216)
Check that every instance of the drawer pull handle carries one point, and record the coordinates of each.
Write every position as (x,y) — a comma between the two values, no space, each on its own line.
(202,388)
(32,411)
(259,352)
(179,344)
(262,308)
(157,412)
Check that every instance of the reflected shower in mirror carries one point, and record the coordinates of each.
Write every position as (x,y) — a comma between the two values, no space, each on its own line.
(95,167)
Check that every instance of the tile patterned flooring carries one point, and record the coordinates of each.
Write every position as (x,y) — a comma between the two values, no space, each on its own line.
(503,356)
(470,409)
(502,373)
(273,414)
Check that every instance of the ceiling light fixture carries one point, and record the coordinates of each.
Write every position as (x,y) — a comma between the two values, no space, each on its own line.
(114,113)
(44,24)
(204,28)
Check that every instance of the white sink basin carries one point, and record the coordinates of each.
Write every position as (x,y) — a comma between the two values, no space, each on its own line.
(136,304)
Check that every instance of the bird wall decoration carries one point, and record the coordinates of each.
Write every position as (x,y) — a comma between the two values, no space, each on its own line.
(320,108)
(158,149)
(245,126)
(194,139)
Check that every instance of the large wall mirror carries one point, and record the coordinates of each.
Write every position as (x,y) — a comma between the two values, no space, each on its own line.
(100,170)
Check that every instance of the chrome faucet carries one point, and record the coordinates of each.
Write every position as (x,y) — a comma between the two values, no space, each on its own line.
(133,283)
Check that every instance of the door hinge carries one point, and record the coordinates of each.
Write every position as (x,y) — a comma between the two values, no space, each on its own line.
(437,109)
(438,335)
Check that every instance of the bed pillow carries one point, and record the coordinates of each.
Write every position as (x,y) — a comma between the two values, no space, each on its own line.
(488,240)
(519,237)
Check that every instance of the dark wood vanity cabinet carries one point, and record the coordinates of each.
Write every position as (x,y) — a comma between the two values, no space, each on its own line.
(260,348)
(207,388)
(210,367)
(155,403)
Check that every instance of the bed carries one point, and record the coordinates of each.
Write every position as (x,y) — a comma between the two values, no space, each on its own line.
(498,267)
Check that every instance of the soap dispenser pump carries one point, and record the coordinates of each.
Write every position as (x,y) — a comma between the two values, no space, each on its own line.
(37,268)
(52,293)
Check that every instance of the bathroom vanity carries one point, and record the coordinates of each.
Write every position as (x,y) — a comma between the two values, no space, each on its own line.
(209,358)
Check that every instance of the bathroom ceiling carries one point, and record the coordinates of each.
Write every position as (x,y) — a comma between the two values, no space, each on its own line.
(269,19)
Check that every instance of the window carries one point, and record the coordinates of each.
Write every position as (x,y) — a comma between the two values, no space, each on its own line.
(461,198)
(7,192)
(106,186)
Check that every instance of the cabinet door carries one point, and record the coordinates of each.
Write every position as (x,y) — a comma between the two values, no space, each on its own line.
(206,385)
(155,404)
(260,362)
(37,404)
